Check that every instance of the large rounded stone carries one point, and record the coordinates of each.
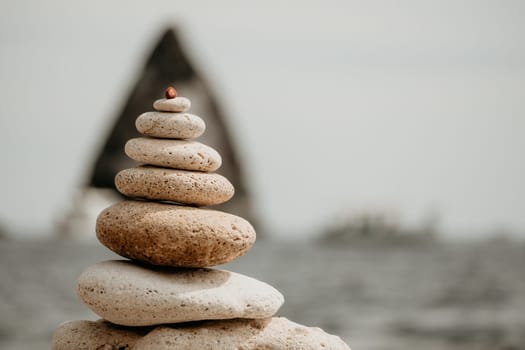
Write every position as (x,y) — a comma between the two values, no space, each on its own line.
(177,154)
(126,293)
(275,333)
(172,235)
(181,186)
(170,125)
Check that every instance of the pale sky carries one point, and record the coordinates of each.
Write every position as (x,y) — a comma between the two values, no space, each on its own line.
(406,106)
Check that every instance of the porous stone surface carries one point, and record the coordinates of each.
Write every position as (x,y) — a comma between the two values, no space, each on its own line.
(173,235)
(177,104)
(276,333)
(129,294)
(100,335)
(188,187)
(170,125)
(176,154)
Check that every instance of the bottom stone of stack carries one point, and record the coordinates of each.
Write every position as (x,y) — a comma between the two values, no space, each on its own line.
(242,334)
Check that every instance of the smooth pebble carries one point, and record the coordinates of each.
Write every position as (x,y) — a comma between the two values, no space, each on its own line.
(177,104)
(176,154)
(126,293)
(170,125)
(182,186)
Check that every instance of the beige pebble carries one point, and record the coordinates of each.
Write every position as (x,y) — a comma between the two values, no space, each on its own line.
(177,104)
(182,186)
(100,335)
(173,235)
(129,294)
(177,154)
(276,333)
(170,125)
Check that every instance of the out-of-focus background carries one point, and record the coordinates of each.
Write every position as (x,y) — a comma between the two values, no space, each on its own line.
(377,146)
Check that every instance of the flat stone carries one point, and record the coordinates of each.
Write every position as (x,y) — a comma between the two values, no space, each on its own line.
(170,125)
(176,154)
(129,294)
(177,104)
(188,187)
(173,235)
(276,333)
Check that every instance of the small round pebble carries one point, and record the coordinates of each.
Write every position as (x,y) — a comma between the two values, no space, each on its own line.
(177,104)
(170,92)
(175,154)
(170,125)
(182,186)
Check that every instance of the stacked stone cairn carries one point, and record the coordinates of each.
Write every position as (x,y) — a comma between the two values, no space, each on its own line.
(167,296)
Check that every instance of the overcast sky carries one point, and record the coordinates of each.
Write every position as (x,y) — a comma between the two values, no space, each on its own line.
(406,106)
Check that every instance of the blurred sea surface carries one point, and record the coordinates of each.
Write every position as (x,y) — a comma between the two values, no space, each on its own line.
(433,295)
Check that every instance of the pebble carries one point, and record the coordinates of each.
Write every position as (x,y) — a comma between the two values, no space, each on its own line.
(170,125)
(188,187)
(100,335)
(177,154)
(173,235)
(276,333)
(177,104)
(129,294)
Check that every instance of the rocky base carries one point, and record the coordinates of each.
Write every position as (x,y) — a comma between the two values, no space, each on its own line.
(243,334)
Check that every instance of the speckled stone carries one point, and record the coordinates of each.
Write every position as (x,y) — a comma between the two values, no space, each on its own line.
(129,294)
(100,335)
(177,104)
(273,333)
(170,125)
(188,187)
(176,154)
(173,235)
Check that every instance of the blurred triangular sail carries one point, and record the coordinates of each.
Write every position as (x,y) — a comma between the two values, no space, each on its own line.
(167,65)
